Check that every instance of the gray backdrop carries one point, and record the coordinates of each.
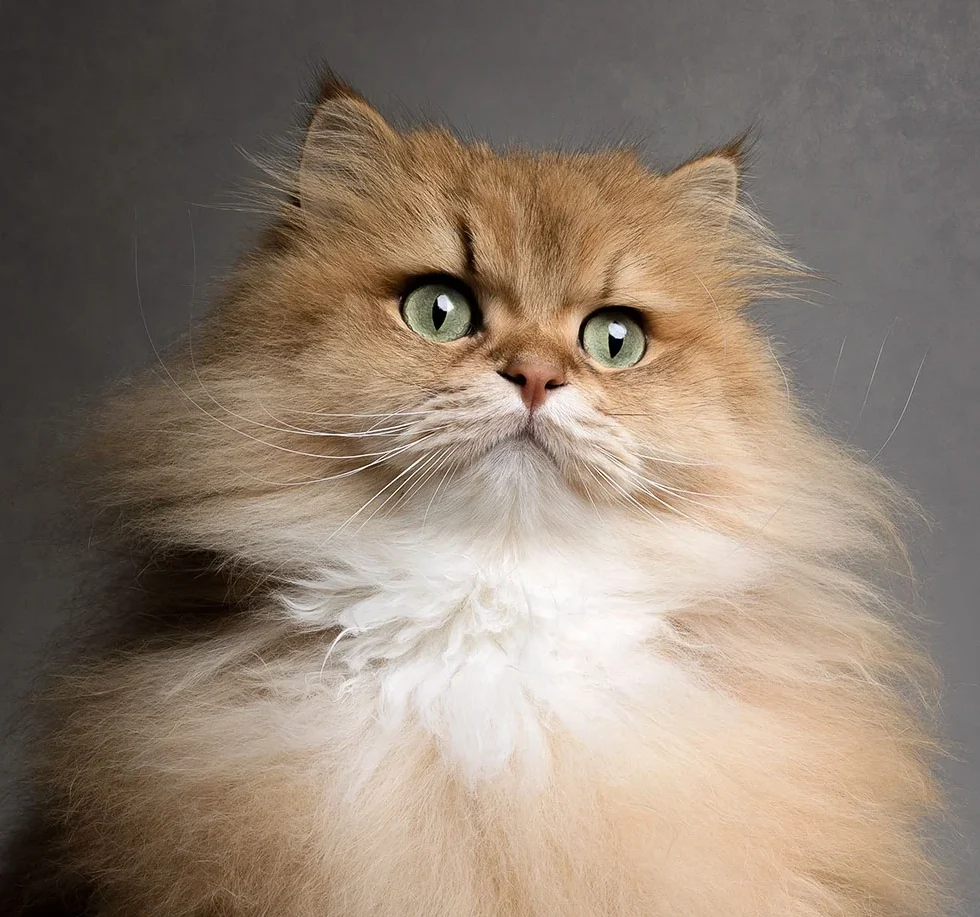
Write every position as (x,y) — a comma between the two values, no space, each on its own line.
(123,118)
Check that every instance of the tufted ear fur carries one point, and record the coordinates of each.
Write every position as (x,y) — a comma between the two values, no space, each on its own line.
(346,142)
(709,185)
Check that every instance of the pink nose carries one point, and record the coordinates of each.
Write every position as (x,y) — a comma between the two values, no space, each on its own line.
(535,379)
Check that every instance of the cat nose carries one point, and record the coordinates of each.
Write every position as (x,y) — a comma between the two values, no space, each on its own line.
(535,379)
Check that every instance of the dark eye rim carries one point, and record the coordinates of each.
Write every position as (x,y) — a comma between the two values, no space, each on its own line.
(414,282)
(631,313)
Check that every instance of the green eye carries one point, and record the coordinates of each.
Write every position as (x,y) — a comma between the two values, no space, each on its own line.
(438,312)
(613,338)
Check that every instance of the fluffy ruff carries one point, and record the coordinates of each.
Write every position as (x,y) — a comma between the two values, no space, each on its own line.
(507,737)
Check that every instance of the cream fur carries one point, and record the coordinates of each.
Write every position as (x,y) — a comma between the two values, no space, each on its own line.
(648,666)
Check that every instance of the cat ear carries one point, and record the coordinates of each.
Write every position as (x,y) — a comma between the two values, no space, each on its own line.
(346,143)
(709,185)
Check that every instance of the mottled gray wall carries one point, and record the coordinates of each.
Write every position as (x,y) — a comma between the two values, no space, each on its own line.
(867,163)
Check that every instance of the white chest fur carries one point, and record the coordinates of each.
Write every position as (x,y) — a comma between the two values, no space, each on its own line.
(486,649)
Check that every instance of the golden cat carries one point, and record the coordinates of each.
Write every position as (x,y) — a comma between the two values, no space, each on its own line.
(552,603)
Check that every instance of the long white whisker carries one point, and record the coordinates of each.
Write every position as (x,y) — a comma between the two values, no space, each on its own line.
(444,457)
(422,475)
(672,457)
(588,493)
(290,428)
(779,366)
(904,409)
(449,469)
(633,499)
(197,375)
(666,461)
(382,457)
(286,428)
(714,302)
(681,492)
(678,491)
(392,482)
(652,495)
(646,491)
(390,414)
(871,381)
(170,375)
(833,378)
(401,489)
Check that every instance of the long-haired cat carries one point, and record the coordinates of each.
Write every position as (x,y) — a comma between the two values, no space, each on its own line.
(544,597)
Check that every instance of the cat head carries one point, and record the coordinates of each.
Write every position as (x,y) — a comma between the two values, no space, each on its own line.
(433,324)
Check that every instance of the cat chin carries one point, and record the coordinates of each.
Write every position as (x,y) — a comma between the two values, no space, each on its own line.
(517,467)
(521,458)
(520,485)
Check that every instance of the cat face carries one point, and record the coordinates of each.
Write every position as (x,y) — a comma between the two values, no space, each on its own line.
(429,313)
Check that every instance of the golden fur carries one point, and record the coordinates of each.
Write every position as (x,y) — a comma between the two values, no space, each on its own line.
(781,767)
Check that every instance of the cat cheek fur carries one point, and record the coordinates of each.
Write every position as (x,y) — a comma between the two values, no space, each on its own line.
(646,665)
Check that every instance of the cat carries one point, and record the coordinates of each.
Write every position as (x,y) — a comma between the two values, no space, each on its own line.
(545,598)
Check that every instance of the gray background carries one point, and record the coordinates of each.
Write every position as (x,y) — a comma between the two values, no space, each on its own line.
(125,119)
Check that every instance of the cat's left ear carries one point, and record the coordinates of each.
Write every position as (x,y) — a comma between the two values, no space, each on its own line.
(709,185)
(346,145)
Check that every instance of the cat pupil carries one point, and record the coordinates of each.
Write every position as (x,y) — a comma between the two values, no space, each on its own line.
(440,310)
(617,337)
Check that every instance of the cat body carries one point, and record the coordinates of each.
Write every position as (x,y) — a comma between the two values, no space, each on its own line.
(563,608)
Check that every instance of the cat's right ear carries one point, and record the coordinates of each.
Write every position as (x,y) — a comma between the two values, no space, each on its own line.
(346,143)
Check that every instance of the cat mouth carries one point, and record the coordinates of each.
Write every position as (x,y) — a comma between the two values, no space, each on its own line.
(526,445)
(528,437)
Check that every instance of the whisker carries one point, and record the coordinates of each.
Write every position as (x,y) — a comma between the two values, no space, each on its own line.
(588,493)
(200,380)
(678,491)
(779,366)
(871,381)
(681,492)
(287,428)
(371,431)
(652,495)
(399,492)
(904,409)
(392,482)
(444,459)
(833,378)
(714,302)
(423,474)
(449,469)
(679,496)
(166,369)
(677,458)
(633,499)
(389,414)
(663,460)
(382,458)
